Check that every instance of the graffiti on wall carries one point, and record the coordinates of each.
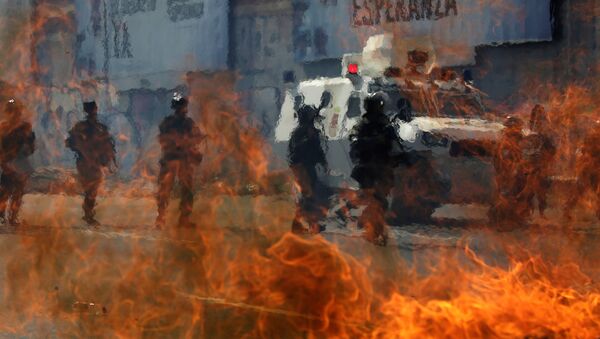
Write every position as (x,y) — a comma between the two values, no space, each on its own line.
(376,12)
(129,7)
(114,15)
(179,10)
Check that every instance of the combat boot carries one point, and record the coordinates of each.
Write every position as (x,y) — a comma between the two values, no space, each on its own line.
(184,222)
(13,220)
(91,221)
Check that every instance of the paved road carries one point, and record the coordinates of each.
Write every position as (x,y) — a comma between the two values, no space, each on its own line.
(61,277)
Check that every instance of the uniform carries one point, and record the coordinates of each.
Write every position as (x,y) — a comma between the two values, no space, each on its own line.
(588,176)
(511,201)
(95,150)
(305,153)
(179,137)
(540,151)
(375,151)
(17,144)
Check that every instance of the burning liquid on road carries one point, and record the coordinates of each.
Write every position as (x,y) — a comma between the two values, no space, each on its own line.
(240,273)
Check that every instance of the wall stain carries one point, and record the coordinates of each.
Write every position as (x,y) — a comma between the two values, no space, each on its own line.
(179,10)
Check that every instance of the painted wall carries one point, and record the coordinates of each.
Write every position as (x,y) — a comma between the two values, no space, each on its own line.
(156,41)
(330,28)
(15,39)
(262,53)
(506,72)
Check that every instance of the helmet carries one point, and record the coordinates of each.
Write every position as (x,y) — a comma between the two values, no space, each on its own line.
(404,110)
(513,122)
(178,101)
(307,114)
(375,103)
(13,106)
(90,106)
(538,116)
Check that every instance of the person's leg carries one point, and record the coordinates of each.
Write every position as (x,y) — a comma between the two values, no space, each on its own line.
(314,208)
(186,180)
(18,191)
(375,186)
(91,186)
(383,187)
(542,195)
(304,202)
(596,188)
(372,219)
(5,190)
(166,178)
(521,199)
(530,192)
(573,198)
(365,198)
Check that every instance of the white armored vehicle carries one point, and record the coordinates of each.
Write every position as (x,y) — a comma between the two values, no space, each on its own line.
(431,110)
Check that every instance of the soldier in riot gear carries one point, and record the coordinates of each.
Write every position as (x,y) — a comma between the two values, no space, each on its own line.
(95,152)
(17,144)
(540,150)
(375,152)
(510,207)
(588,176)
(179,138)
(305,155)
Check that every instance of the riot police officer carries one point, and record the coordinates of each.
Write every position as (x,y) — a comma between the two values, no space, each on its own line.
(179,138)
(540,150)
(588,176)
(306,155)
(95,152)
(375,151)
(510,207)
(17,144)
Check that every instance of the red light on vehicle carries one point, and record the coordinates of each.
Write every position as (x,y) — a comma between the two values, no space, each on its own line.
(353,68)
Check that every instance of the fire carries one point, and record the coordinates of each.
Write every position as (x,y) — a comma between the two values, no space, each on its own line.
(240,273)
(530,299)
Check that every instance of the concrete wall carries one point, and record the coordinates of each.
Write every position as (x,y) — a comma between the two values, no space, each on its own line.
(330,28)
(128,55)
(142,50)
(155,41)
(262,54)
(15,38)
(506,73)
(275,40)
(131,54)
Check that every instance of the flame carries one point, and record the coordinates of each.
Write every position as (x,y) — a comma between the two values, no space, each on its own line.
(240,273)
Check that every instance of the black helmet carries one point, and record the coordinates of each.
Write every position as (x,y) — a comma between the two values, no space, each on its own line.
(14,106)
(298,102)
(89,106)
(178,101)
(538,115)
(325,99)
(307,114)
(513,122)
(375,103)
(404,110)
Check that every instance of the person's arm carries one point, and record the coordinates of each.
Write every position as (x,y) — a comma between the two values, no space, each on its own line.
(113,148)
(396,144)
(27,145)
(196,138)
(322,157)
(71,141)
(31,143)
(197,135)
(165,137)
(354,146)
(109,148)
